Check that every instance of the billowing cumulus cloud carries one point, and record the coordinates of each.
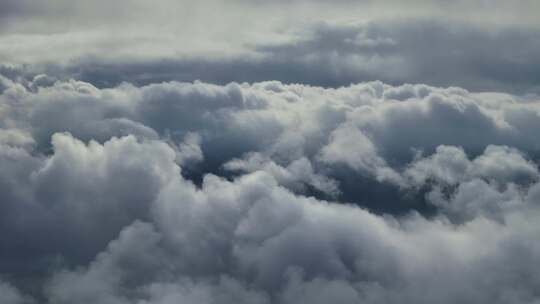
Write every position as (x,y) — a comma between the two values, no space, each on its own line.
(232,152)
(267,193)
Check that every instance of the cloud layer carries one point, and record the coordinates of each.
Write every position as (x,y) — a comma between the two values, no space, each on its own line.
(266,193)
(436,50)
(302,151)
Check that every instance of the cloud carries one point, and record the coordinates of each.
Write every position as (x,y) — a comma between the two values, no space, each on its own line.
(370,131)
(209,244)
(434,50)
(232,152)
(266,193)
(10,295)
(189,151)
(296,175)
(450,165)
(96,188)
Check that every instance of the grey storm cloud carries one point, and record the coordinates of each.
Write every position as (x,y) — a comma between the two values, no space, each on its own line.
(266,193)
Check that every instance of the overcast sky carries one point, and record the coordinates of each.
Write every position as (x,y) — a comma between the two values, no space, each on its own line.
(215,152)
(479,45)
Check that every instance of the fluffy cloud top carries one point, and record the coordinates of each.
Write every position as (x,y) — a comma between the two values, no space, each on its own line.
(266,193)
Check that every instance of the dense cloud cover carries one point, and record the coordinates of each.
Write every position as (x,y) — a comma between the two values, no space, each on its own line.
(429,51)
(478,45)
(241,151)
(266,193)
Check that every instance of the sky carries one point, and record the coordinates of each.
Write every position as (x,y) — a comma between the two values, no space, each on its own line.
(301,151)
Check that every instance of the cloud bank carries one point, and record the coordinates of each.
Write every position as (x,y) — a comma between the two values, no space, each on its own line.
(266,193)
(269,152)
(476,45)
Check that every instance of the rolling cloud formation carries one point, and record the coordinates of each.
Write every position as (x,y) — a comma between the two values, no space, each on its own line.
(200,193)
(384,160)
